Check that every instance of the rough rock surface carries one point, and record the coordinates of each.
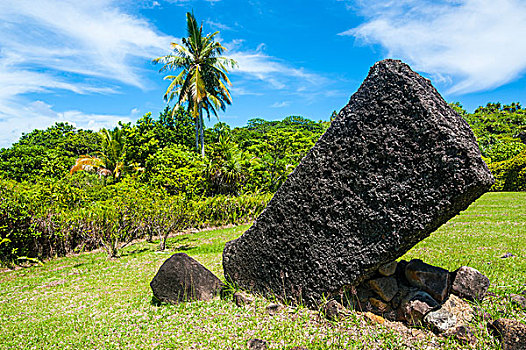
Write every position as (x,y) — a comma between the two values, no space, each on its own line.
(463,334)
(469,283)
(333,310)
(518,301)
(257,344)
(416,305)
(432,279)
(242,299)
(388,269)
(182,278)
(394,165)
(385,287)
(453,313)
(511,333)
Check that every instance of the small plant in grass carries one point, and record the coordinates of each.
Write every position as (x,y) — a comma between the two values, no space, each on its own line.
(172,214)
(112,223)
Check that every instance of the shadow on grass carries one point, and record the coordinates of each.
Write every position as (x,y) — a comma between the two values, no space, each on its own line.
(135,251)
(184,247)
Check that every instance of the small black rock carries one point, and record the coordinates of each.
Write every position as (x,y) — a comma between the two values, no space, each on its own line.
(182,278)
(257,344)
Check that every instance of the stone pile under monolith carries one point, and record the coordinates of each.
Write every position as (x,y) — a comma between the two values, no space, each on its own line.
(394,165)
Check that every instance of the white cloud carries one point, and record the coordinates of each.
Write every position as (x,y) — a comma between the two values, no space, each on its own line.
(280,104)
(217,25)
(472,44)
(91,38)
(279,75)
(40,115)
(83,47)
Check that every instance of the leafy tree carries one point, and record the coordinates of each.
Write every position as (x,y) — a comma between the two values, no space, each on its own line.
(148,135)
(201,82)
(228,168)
(47,153)
(498,129)
(177,170)
(110,160)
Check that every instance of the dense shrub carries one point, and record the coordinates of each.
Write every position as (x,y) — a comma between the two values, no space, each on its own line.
(510,175)
(16,233)
(177,170)
(53,219)
(223,210)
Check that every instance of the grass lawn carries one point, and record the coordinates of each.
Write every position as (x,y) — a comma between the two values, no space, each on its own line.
(88,301)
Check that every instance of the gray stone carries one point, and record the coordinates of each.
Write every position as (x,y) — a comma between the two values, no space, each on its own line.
(385,287)
(242,299)
(359,297)
(415,306)
(518,300)
(388,269)
(453,313)
(257,344)
(470,284)
(434,280)
(182,278)
(394,166)
(402,295)
(379,306)
(273,309)
(333,310)
(512,333)
(463,334)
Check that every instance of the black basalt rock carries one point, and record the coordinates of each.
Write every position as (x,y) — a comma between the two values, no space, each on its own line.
(182,278)
(394,165)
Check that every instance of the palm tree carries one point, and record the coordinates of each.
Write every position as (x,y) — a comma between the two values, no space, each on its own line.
(110,160)
(202,82)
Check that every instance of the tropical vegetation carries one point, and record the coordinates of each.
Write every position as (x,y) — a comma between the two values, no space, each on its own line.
(65,189)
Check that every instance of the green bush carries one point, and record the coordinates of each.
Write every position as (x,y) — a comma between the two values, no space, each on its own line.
(504,149)
(224,210)
(177,170)
(16,233)
(510,175)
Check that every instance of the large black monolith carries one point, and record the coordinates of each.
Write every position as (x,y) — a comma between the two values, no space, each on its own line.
(396,164)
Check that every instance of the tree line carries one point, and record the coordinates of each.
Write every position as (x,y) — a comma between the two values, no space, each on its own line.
(63,189)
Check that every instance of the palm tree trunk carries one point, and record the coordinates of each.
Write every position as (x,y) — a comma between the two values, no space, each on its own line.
(202,137)
(196,133)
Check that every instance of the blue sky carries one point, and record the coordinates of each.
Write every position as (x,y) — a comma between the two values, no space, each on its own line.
(89,62)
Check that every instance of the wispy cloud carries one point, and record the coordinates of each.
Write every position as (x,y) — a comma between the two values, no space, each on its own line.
(472,45)
(83,47)
(91,38)
(277,74)
(39,115)
(280,104)
(217,25)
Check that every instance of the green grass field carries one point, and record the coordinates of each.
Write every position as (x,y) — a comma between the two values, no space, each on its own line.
(88,301)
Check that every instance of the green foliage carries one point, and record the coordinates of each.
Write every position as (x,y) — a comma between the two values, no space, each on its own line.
(46,153)
(171,215)
(510,175)
(498,129)
(223,210)
(16,234)
(147,136)
(177,170)
(277,146)
(501,133)
(228,168)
